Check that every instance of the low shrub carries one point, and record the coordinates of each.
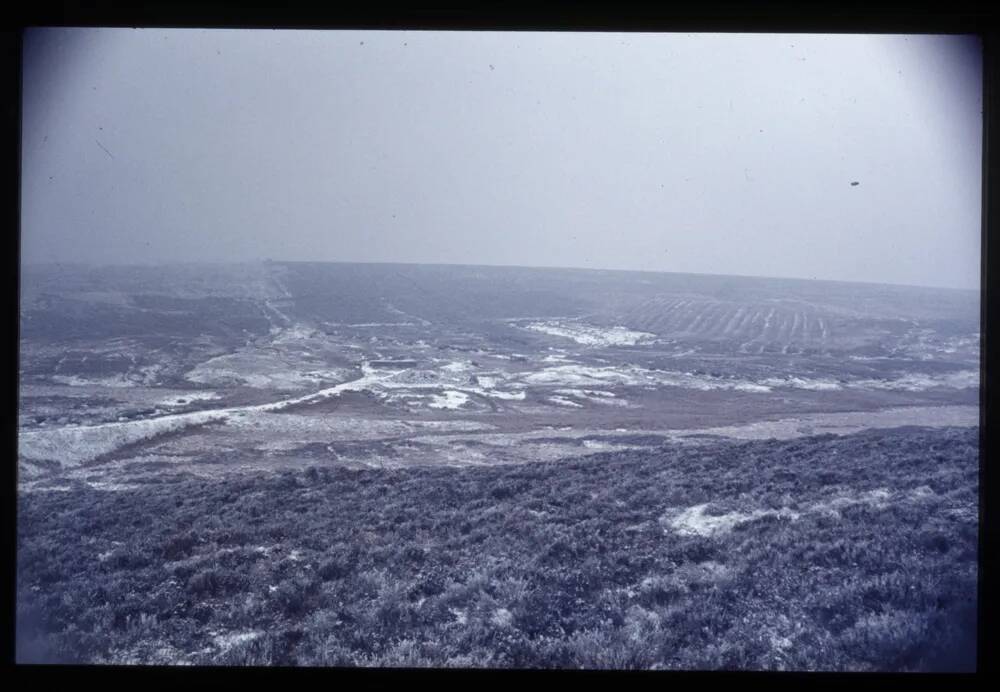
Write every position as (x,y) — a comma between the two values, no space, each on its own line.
(213,582)
(538,565)
(292,596)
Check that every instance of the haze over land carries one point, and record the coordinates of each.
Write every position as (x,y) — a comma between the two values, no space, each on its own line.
(717,154)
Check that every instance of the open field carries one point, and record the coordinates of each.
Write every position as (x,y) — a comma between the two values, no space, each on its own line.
(356,464)
(166,361)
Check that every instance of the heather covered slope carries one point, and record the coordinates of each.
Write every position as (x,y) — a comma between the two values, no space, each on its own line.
(824,553)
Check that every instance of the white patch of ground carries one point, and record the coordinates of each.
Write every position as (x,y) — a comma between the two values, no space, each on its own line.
(694,522)
(73,445)
(259,372)
(879,499)
(595,396)
(286,363)
(498,448)
(750,387)
(406,398)
(573,374)
(842,423)
(780,643)
(501,617)
(33,486)
(497,394)
(449,400)
(926,345)
(415,379)
(372,324)
(924,492)
(583,375)
(27,470)
(288,431)
(603,446)
(916,382)
(515,447)
(969,514)
(114,382)
(802,383)
(369,377)
(589,335)
(111,486)
(297,426)
(563,401)
(188,398)
(457,366)
(710,569)
(456,379)
(585,393)
(452,425)
(634,376)
(230,639)
(412,383)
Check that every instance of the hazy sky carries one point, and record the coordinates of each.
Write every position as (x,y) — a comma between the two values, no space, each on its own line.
(707,153)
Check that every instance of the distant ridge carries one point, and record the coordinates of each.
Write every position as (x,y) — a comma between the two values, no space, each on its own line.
(462,265)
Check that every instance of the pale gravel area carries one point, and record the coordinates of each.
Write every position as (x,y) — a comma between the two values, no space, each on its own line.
(590,335)
(846,423)
(470,443)
(693,521)
(449,387)
(228,640)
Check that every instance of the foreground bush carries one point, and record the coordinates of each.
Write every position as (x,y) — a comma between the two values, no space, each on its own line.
(853,553)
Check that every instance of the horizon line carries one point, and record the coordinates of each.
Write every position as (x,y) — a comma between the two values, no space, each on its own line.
(271,260)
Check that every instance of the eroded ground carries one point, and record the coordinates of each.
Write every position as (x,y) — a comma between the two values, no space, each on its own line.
(277,366)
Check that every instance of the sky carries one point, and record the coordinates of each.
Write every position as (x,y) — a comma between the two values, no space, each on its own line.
(697,153)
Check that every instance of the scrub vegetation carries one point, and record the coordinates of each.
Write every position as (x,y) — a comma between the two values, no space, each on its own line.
(822,553)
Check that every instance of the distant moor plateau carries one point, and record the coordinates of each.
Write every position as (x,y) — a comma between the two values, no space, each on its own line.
(222,368)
